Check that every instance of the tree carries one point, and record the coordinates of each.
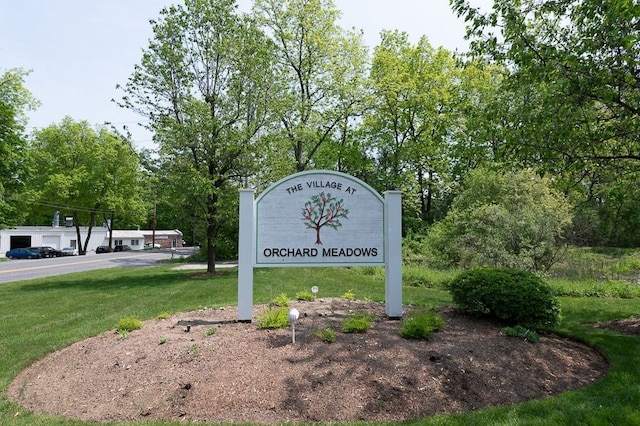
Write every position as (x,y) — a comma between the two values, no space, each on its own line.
(570,91)
(204,83)
(91,175)
(512,220)
(323,70)
(578,62)
(416,111)
(323,210)
(15,100)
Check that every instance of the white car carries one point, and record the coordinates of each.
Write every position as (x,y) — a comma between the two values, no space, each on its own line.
(69,251)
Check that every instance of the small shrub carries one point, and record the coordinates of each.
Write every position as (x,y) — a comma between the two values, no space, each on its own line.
(274,318)
(164,315)
(420,324)
(521,332)
(128,324)
(163,340)
(508,295)
(349,295)
(327,334)
(358,322)
(194,350)
(281,300)
(211,331)
(304,295)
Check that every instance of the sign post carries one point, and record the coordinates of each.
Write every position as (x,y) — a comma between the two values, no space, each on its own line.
(320,218)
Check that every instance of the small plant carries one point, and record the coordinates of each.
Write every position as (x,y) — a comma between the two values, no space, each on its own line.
(163,340)
(163,315)
(274,318)
(281,300)
(327,334)
(193,350)
(211,331)
(420,324)
(358,322)
(128,324)
(521,332)
(349,295)
(304,295)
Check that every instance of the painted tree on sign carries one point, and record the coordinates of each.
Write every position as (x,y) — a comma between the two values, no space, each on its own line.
(323,210)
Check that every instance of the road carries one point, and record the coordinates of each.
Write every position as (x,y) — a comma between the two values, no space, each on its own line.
(25,269)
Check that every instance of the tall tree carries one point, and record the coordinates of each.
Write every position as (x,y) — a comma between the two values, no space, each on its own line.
(416,107)
(323,69)
(570,92)
(204,83)
(15,100)
(89,174)
(574,67)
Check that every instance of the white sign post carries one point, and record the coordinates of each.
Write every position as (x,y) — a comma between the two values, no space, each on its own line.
(320,218)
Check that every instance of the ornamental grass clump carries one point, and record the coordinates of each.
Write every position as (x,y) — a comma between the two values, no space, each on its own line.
(420,324)
(511,296)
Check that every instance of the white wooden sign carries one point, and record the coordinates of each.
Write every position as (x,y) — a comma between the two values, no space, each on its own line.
(320,218)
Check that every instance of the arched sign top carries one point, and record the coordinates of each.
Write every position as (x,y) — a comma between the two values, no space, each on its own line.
(322,175)
(319,218)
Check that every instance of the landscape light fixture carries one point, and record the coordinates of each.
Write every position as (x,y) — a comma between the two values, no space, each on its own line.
(293,317)
(314,290)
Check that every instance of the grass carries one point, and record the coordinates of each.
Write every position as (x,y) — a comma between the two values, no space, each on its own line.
(43,315)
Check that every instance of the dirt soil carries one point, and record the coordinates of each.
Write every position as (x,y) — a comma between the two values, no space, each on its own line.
(242,373)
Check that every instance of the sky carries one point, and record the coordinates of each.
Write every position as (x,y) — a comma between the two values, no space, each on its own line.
(79,50)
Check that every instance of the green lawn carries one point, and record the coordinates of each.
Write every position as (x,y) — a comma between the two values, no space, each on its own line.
(41,316)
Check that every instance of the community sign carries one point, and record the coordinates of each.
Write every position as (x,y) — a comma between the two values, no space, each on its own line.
(319,218)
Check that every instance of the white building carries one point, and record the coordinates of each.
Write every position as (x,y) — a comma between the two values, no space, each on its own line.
(59,237)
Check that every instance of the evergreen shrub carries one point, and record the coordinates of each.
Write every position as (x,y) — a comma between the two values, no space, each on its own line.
(508,295)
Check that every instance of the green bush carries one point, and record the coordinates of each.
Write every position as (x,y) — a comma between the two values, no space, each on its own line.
(420,324)
(128,324)
(358,322)
(522,333)
(327,334)
(281,300)
(304,295)
(274,318)
(508,295)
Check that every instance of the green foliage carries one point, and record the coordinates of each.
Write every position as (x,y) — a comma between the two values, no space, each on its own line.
(358,322)
(511,220)
(509,295)
(163,340)
(304,295)
(211,331)
(128,324)
(420,324)
(163,315)
(349,295)
(274,318)
(522,333)
(281,300)
(327,334)
(193,350)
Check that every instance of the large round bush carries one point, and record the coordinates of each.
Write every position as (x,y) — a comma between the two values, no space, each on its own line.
(512,296)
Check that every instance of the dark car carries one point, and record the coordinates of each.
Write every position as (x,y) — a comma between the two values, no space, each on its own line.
(122,247)
(23,253)
(46,251)
(103,249)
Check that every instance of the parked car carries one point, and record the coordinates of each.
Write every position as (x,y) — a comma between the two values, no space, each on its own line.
(23,253)
(69,251)
(122,247)
(151,245)
(103,249)
(46,251)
